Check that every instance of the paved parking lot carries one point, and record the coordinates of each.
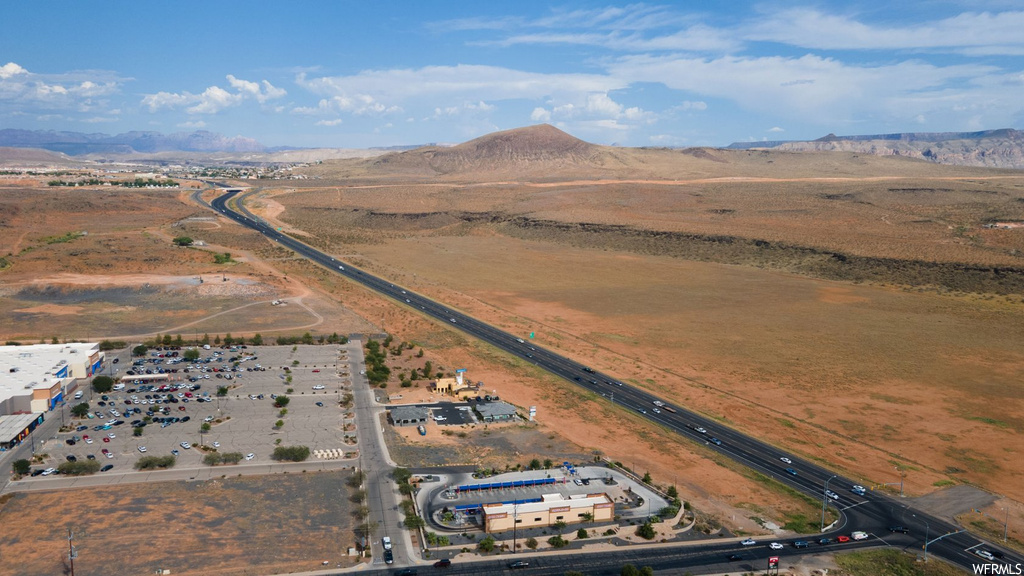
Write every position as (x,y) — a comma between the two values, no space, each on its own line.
(242,421)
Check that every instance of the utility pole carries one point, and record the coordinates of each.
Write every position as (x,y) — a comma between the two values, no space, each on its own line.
(72,553)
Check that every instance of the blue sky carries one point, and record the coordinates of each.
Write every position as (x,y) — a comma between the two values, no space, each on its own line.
(357,74)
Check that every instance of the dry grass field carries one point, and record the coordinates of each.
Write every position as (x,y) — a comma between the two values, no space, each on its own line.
(857,311)
(99,263)
(226,527)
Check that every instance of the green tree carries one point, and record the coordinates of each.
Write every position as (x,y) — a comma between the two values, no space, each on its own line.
(282,401)
(140,350)
(102,384)
(531,543)
(152,462)
(222,391)
(534,464)
(560,525)
(137,431)
(229,339)
(205,340)
(216,340)
(256,340)
(672,492)
(167,340)
(557,541)
(548,463)
(22,467)
(647,478)
(290,453)
(401,475)
(486,545)
(191,354)
(582,533)
(307,338)
(80,468)
(414,522)
(182,241)
(80,410)
(205,427)
(646,531)
(279,424)
(629,570)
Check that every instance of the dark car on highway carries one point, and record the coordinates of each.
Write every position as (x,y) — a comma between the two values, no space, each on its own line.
(901,529)
(442,563)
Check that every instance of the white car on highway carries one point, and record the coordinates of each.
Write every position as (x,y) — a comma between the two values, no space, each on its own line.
(776,546)
(786,460)
(749,542)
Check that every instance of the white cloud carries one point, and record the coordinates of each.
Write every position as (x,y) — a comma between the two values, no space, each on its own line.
(98,120)
(196,124)
(465,81)
(162,100)
(334,122)
(809,88)
(984,32)
(11,69)
(214,99)
(776,129)
(690,105)
(252,89)
(540,115)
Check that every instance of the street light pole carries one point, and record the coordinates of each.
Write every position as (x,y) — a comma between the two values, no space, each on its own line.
(515,524)
(900,472)
(927,530)
(824,501)
(1006,522)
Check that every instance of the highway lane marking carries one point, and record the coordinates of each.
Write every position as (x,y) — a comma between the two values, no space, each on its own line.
(855,505)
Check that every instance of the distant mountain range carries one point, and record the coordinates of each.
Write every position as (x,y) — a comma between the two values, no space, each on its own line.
(78,143)
(1003,148)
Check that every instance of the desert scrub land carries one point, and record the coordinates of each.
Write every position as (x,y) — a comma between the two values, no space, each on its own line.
(228,526)
(875,315)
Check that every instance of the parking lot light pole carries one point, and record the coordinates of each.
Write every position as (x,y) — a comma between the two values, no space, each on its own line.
(824,502)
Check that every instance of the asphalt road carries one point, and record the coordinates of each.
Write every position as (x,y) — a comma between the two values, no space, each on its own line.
(872,513)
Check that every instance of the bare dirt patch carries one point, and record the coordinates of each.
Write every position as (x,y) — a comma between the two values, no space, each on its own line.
(227,526)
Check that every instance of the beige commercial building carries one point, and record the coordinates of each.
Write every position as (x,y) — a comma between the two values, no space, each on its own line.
(37,378)
(553,508)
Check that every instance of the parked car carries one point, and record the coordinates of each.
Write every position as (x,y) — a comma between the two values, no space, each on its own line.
(107,467)
(142,448)
(250,456)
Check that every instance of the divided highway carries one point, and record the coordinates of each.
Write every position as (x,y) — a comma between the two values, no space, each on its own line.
(872,512)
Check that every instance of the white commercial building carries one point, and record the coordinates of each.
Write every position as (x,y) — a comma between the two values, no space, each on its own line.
(37,378)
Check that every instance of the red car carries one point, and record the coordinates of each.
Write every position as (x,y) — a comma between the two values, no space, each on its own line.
(843,539)
(317,370)
(106,439)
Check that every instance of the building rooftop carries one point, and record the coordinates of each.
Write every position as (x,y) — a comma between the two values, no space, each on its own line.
(23,368)
(11,426)
(495,409)
(548,501)
(409,413)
